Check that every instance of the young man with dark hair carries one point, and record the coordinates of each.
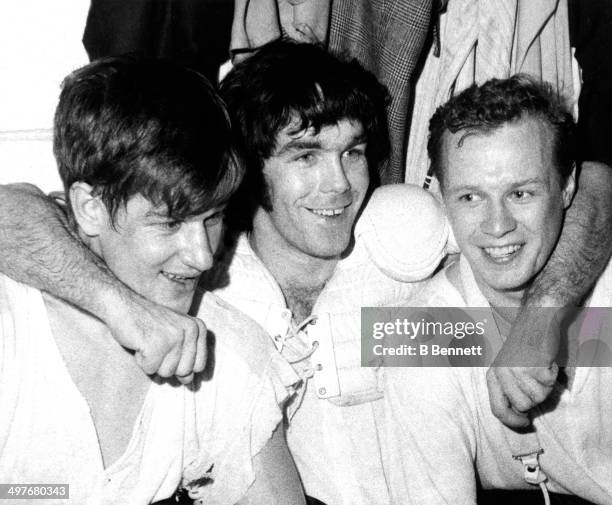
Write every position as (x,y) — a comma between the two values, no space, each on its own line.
(293,89)
(504,153)
(147,200)
(313,132)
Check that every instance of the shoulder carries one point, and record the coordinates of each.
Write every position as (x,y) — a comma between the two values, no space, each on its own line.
(233,329)
(244,365)
(439,290)
(239,275)
(242,342)
(23,323)
(15,297)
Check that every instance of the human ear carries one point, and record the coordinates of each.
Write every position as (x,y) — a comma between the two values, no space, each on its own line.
(89,211)
(569,189)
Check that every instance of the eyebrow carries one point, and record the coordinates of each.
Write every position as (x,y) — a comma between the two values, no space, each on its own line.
(469,187)
(300,144)
(358,139)
(157,214)
(533,180)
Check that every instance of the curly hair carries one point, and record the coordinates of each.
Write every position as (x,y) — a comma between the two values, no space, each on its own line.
(485,108)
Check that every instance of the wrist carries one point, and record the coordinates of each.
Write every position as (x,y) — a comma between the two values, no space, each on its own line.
(111,301)
(537,330)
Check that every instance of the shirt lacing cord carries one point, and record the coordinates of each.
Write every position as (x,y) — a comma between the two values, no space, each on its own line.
(307,351)
(298,356)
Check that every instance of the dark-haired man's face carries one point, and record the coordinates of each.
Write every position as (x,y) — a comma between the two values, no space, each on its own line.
(505,201)
(160,258)
(316,184)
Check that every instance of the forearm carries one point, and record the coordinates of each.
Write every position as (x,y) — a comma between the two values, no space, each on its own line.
(578,260)
(585,244)
(37,247)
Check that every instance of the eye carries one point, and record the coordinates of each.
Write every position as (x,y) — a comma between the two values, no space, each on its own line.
(469,198)
(306,158)
(214,219)
(355,154)
(520,194)
(171,225)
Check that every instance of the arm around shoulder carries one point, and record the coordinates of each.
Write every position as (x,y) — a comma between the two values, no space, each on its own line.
(585,244)
(581,255)
(38,247)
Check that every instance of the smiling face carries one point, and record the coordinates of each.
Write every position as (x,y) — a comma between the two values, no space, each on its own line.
(159,258)
(505,201)
(316,184)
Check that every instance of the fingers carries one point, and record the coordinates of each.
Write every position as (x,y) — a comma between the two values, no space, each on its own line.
(193,354)
(148,362)
(513,391)
(185,379)
(529,383)
(201,352)
(170,362)
(187,356)
(501,405)
(547,376)
(165,342)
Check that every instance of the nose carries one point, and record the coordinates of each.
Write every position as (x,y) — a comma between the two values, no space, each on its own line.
(196,248)
(334,177)
(498,220)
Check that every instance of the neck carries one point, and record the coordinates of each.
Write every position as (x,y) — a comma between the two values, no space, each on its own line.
(288,265)
(300,276)
(506,303)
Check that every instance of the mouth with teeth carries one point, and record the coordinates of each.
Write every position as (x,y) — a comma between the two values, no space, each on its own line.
(328,212)
(181,279)
(503,254)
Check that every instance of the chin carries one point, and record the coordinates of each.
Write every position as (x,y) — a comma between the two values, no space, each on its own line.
(513,283)
(330,252)
(181,305)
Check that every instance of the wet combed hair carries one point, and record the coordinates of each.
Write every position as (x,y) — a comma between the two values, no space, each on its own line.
(131,125)
(483,109)
(284,81)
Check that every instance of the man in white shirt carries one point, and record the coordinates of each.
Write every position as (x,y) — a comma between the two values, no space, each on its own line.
(313,130)
(504,155)
(148,201)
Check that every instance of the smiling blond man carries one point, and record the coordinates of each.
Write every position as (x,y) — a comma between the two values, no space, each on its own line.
(504,155)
